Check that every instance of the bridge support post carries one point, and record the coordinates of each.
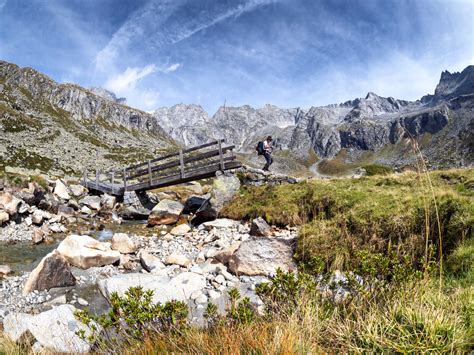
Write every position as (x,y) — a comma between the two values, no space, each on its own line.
(181,162)
(221,156)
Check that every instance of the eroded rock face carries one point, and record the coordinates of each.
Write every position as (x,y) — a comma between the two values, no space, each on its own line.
(54,330)
(85,252)
(52,271)
(165,212)
(262,256)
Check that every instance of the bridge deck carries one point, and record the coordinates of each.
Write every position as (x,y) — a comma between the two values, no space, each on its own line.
(184,166)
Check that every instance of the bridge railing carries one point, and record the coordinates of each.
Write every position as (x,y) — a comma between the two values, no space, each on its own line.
(184,165)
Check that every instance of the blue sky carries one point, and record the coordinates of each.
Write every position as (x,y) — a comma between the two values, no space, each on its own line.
(285,52)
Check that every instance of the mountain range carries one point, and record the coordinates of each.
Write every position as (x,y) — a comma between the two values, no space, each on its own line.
(65,128)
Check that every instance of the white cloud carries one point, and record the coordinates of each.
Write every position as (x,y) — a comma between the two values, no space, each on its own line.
(172,68)
(127,81)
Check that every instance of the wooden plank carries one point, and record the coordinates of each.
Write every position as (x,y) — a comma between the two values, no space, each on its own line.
(172,155)
(200,173)
(176,163)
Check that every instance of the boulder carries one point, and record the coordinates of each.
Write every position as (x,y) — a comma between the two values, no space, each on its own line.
(61,190)
(177,259)
(165,212)
(193,204)
(49,203)
(107,201)
(55,330)
(4,217)
(37,217)
(38,236)
(220,223)
(134,213)
(52,271)
(224,187)
(182,229)
(262,256)
(78,190)
(9,203)
(165,289)
(224,255)
(150,262)
(260,228)
(207,212)
(5,270)
(91,202)
(122,243)
(65,211)
(26,196)
(85,252)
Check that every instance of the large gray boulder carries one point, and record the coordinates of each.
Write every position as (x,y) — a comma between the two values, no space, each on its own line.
(224,189)
(150,262)
(91,202)
(52,271)
(165,289)
(123,244)
(262,256)
(55,330)
(107,201)
(85,252)
(165,212)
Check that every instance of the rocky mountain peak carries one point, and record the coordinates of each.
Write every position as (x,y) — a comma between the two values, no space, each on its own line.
(455,84)
(108,95)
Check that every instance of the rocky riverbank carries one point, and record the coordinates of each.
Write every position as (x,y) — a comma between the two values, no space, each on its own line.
(183,251)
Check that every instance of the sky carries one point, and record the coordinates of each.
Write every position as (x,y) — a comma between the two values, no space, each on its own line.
(290,53)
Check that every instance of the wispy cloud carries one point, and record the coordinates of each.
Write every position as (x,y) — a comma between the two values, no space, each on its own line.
(173,68)
(126,81)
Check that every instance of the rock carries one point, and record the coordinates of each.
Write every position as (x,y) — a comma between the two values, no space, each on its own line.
(260,228)
(207,212)
(177,259)
(4,217)
(167,237)
(122,243)
(38,236)
(220,223)
(55,330)
(84,252)
(65,211)
(49,203)
(86,210)
(107,201)
(193,204)
(178,288)
(92,202)
(77,190)
(182,229)
(224,255)
(52,271)
(61,190)
(202,298)
(5,270)
(134,213)
(165,212)
(9,203)
(224,188)
(262,256)
(37,217)
(82,302)
(150,262)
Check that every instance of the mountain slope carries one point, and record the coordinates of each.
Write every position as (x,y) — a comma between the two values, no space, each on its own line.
(64,128)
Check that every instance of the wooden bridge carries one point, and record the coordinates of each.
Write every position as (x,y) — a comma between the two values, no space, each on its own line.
(186,165)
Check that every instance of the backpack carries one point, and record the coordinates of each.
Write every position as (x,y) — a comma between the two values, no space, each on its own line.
(259,148)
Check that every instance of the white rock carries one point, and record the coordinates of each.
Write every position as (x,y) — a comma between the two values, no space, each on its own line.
(61,190)
(107,201)
(150,262)
(4,217)
(182,229)
(92,202)
(177,259)
(85,252)
(219,279)
(77,190)
(201,299)
(122,243)
(165,212)
(178,288)
(86,210)
(220,223)
(9,203)
(213,294)
(5,270)
(54,330)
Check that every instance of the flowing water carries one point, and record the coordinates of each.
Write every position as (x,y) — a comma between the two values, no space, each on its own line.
(25,256)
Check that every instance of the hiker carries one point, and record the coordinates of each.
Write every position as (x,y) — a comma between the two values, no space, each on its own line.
(267,152)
